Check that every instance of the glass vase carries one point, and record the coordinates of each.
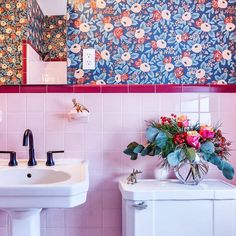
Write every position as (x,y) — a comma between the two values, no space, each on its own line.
(191,172)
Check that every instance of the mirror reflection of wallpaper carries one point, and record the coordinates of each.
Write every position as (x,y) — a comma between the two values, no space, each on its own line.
(13,22)
(46,34)
(153,41)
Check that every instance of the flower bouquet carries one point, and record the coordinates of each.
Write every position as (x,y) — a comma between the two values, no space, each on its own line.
(181,144)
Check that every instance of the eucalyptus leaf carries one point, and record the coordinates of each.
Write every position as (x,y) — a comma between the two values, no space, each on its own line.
(208,147)
(138,149)
(151,133)
(128,151)
(134,157)
(190,153)
(133,145)
(228,170)
(174,158)
(161,139)
(146,151)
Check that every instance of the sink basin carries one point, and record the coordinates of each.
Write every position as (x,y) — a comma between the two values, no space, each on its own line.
(61,186)
(24,191)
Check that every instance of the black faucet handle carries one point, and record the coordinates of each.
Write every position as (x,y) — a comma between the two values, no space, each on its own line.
(12,161)
(50,161)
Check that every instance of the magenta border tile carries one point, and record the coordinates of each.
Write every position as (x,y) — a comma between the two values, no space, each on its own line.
(120,88)
(142,88)
(190,88)
(87,88)
(9,89)
(117,88)
(168,88)
(223,88)
(33,89)
(60,89)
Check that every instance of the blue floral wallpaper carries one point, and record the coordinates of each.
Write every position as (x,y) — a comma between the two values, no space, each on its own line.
(153,41)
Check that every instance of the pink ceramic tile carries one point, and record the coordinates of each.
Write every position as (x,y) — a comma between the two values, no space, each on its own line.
(170,103)
(43,219)
(75,231)
(131,103)
(55,218)
(110,179)
(112,102)
(74,142)
(56,231)
(189,102)
(4,232)
(112,141)
(95,123)
(227,102)
(92,232)
(4,218)
(112,122)
(68,100)
(132,122)
(55,102)
(95,159)
(93,102)
(16,102)
(73,217)
(92,217)
(35,102)
(112,161)
(150,102)
(14,142)
(111,199)
(54,141)
(228,121)
(93,142)
(16,122)
(3,143)
(112,217)
(3,102)
(54,121)
(35,121)
(114,231)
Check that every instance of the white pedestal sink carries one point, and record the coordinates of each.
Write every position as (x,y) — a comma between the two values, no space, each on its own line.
(24,191)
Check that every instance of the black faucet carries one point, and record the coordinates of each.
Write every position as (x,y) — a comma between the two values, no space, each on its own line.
(28,136)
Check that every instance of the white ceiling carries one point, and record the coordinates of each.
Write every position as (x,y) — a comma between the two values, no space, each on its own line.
(53,7)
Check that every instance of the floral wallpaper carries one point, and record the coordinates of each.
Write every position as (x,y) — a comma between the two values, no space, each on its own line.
(36,25)
(46,33)
(153,41)
(13,23)
(55,36)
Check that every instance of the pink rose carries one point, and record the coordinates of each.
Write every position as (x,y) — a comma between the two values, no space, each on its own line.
(182,121)
(192,139)
(207,132)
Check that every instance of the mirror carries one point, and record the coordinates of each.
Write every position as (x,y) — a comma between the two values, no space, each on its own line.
(33,42)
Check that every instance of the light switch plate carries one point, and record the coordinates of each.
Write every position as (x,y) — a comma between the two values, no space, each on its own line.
(89,59)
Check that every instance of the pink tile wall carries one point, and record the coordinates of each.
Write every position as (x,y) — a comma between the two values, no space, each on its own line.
(116,119)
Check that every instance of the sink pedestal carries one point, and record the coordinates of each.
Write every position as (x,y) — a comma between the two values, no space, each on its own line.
(24,222)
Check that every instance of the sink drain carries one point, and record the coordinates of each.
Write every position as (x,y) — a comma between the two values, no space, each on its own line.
(29,175)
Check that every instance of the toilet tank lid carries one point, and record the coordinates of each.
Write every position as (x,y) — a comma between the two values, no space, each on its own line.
(152,189)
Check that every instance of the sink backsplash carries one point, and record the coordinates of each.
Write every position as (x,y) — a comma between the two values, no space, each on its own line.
(115,120)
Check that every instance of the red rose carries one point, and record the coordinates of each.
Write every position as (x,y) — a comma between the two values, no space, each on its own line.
(77,23)
(156,15)
(138,63)
(106,19)
(198,22)
(215,4)
(185,37)
(202,80)
(228,19)
(217,55)
(125,13)
(124,77)
(118,32)
(186,54)
(93,4)
(179,72)
(201,1)
(154,44)
(167,60)
(141,40)
(97,56)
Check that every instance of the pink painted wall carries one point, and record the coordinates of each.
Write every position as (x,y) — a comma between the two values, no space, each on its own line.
(116,119)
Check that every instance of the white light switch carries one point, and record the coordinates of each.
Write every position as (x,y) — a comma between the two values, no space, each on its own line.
(89,59)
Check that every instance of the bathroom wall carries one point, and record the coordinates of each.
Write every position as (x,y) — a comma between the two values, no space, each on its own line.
(116,119)
(47,34)
(153,42)
(13,23)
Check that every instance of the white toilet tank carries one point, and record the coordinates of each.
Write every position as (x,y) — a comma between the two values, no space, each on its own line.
(169,208)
